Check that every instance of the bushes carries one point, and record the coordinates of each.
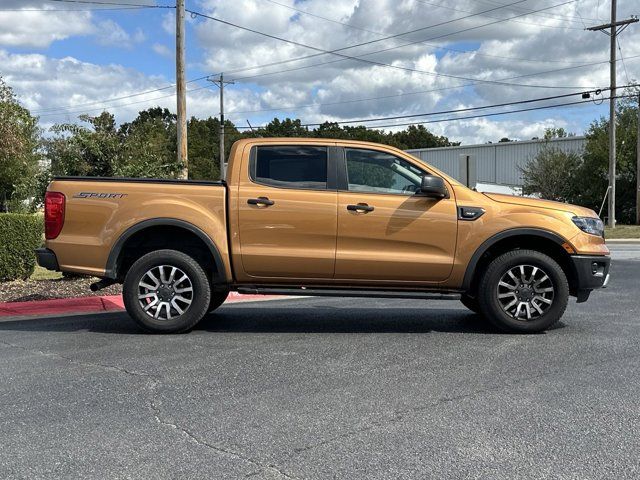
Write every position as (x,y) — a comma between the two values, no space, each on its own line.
(20,235)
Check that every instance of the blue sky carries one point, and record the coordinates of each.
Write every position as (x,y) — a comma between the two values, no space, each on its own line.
(63,63)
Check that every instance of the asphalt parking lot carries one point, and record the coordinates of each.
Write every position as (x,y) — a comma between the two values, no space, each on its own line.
(328,388)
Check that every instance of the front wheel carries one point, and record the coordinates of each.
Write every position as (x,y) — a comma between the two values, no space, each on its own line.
(166,291)
(523,291)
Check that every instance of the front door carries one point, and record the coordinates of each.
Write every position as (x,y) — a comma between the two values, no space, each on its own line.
(287,213)
(386,231)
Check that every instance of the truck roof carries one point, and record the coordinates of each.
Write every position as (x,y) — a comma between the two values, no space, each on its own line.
(310,140)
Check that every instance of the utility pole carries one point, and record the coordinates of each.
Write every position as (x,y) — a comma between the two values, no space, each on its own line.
(615,27)
(638,166)
(221,82)
(181,90)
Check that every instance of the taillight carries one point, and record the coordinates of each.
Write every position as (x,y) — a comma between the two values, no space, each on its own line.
(53,214)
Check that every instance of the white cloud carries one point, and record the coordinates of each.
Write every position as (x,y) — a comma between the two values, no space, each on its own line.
(46,85)
(109,33)
(40,29)
(553,42)
(162,50)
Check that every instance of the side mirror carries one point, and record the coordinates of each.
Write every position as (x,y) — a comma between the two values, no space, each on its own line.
(433,187)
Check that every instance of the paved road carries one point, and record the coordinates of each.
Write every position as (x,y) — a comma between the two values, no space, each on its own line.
(327,388)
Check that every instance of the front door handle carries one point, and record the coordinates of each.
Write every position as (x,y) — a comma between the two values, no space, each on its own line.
(260,201)
(360,208)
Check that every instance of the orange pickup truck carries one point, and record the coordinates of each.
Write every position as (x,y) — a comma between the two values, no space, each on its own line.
(323,217)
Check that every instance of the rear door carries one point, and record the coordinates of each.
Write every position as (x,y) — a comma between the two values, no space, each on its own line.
(386,231)
(287,212)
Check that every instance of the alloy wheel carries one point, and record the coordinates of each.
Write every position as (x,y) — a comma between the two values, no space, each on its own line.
(525,292)
(165,292)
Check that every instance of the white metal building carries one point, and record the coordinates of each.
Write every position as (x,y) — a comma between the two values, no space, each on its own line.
(492,163)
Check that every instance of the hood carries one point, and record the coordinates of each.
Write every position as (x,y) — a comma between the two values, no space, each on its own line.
(537,203)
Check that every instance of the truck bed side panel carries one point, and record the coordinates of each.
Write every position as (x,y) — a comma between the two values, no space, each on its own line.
(93,223)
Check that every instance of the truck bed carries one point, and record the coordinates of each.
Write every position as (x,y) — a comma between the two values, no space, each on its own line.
(100,211)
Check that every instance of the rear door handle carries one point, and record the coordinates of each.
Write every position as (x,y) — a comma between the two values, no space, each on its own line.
(260,201)
(361,207)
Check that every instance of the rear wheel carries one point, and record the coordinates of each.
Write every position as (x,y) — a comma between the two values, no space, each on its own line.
(523,291)
(166,291)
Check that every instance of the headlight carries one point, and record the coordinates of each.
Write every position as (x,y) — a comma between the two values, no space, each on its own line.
(591,225)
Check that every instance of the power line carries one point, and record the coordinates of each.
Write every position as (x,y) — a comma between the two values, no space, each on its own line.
(489,16)
(492,114)
(542,15)
(95,2)
(439,47)
(293,108)
(626,73)
(65,110)
(124,97)
(98,9)
(304,12)
(363,55)
(475,81)
(459,110)
(373,62)
(324,52)
(51,109)
(259,66)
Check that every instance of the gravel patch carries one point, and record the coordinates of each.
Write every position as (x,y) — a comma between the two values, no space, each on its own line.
(30,290)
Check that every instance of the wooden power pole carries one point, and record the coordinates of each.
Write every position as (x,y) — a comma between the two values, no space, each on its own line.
(181,90)
(615,27)
(221,82)
(638,166)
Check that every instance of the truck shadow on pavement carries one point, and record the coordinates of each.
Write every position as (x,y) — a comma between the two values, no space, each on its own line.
(343,320)
(281,320)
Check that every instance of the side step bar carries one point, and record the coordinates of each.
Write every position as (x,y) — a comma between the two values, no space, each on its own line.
(329,292)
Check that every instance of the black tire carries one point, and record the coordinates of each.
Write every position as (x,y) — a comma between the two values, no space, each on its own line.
(471,303)
(217,299)
(492,309)
(192,313)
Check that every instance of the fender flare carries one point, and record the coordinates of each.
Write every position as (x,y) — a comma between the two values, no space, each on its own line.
(112,266)
(487,244)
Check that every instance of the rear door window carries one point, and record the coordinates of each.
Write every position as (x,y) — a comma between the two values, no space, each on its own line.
(290,166)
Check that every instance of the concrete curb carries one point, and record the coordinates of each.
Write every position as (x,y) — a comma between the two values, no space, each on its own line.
(107,303)
(622,240)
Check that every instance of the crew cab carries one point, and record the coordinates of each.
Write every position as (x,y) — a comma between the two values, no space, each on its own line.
(321,217)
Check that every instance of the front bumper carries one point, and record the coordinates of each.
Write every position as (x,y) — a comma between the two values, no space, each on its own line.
(47,259)
(591,272)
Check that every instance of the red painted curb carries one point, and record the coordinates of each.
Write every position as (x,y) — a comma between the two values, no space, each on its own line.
(107,303)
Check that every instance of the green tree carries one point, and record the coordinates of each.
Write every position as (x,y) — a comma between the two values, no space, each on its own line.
(19,154)
(204,147)
(89,150)
(551,174)
(149,146)
(284,128)
(417,136)
(551,133)
(592,175)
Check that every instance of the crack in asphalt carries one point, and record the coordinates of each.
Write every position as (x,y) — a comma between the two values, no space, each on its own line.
(401,414)
(157,412)
(158,415)
(110,368)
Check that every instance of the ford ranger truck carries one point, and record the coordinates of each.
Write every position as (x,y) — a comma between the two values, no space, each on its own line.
(323,217)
